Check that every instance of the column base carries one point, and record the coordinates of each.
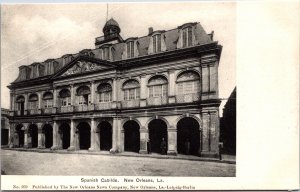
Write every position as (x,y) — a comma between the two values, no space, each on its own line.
(54,147)
(142,151)
(209,154)
(41,147)
(11,146)
(25,146)
(172,153)
(113,151)
(93,149)
(71,148)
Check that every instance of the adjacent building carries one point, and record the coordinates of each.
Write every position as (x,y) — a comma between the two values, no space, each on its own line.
(122,94)
(4,127)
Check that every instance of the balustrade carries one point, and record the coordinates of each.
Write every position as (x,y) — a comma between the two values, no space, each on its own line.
(157,100)
(101,106)
(66,109)
(130,103)
(188,98)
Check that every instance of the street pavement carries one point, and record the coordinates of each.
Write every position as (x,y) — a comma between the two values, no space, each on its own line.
(35,163)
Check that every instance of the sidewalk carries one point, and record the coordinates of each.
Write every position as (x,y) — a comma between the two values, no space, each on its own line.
(230,159)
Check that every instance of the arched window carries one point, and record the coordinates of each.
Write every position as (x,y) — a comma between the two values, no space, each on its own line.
(33,101)
(48,100)
(187,35)
(188,82)
(84,95)
(20,104)
(104,92)
(131,90)
(65,97)
(158,86)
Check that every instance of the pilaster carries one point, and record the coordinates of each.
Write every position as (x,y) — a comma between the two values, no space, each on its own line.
(41,142)
(144,135)
(25,135)
(114,135)
(55,133)
(93,136)
(172,141)
(72,95)
(143,89)
(171,91)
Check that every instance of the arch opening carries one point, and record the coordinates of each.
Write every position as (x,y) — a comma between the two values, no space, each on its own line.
(65,135)
(157,132)
(105,135)
(19,136)
(188,136)
(33,136)
(84,131)
(131,136)
(48,132)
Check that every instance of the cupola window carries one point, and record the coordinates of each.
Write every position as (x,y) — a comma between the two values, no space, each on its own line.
(157,43)
(130,49)
(187,37)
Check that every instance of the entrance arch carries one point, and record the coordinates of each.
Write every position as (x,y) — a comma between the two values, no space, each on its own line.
(64,130)
(84,131)
(33,136)
(19,136)
(105,135)
(188,132)
(131,136)
(48,132)
(157,131)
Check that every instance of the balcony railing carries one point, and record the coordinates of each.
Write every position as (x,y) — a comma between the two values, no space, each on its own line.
(188,98)
(101,106)
(66,109)
(89,107)
(157,100)
(33,111)
(130,103)
(49,110)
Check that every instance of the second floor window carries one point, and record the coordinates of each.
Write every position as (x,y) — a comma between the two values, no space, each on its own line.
(33,101)
(131,90)
(156,43)
(83,95)
(104,93)
(187,37)
(65,97)
(188,82)
(48,100)
(130,49)
(158,86)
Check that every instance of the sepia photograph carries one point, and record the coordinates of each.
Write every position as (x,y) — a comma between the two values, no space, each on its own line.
(143,96)
(98,85)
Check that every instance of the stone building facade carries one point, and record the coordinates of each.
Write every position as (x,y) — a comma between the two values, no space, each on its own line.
(123,93)
(5,130)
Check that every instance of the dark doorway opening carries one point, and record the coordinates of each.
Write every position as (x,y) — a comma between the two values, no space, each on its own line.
(20,135)
(84,135)
(157,131)
(4,136)
(105,136)
(188,132)
(33,132)
(65,135)
(48,131)
(132,136)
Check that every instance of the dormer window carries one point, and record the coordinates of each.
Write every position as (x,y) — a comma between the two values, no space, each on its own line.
(130,49)
(106,53)
(187,37)
(156,43)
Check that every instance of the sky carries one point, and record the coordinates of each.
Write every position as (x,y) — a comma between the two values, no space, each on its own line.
(36,32)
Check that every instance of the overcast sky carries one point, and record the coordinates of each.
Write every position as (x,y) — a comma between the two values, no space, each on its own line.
(34,33)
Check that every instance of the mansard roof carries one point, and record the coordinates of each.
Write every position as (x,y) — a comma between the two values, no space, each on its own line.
(171,39)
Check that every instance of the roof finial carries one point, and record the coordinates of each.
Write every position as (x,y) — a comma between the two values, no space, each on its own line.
(106,12)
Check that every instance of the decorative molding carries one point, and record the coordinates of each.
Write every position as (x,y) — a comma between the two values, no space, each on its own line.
(82,67)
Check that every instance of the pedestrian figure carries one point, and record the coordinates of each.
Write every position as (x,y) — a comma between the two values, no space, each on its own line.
(220,151)
(163,147)
(187,145)
(148,146)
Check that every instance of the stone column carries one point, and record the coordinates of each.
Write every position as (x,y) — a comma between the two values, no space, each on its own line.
(55,133)
(25,135)
(214,132)
(205,133)
(40,100)
(114,135)
(120,137)
(25,103)
(172,141)
(72,136)
(144,135)
(41,144)
(143,89)
(93,135)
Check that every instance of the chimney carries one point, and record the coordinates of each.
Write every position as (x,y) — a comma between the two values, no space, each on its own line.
(150,30)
